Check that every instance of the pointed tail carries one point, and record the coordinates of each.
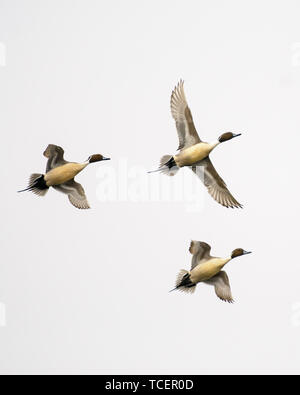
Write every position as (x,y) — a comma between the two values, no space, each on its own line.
(184,283)
(37,185)
(167,166)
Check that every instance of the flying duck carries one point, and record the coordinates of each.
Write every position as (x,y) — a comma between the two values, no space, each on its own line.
(60,175)
(207,269)
(194,153)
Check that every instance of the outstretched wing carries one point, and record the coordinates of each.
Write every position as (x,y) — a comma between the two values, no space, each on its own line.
(215,185)
(55,155)
(222,286)
(186,130)
(200,250)
(75,193)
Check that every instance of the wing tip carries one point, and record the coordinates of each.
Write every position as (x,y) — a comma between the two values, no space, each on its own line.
(227,300)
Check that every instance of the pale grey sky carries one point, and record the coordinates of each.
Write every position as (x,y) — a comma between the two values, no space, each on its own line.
(87,291)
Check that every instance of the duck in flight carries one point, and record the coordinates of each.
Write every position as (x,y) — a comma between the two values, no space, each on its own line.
(207,269)
(60,176)
(194,153)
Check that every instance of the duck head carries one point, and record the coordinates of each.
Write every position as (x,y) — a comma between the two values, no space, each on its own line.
(228,136)
(239,252)
(96,158)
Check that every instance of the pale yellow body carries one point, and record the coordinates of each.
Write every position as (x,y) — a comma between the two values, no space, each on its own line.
(64,173)
(206,270)
(192,155)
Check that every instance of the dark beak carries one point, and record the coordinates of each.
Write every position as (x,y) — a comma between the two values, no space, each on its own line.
(247,252)
(236,134)
(105,158)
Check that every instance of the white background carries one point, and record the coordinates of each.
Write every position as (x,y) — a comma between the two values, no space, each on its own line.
(87,291)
